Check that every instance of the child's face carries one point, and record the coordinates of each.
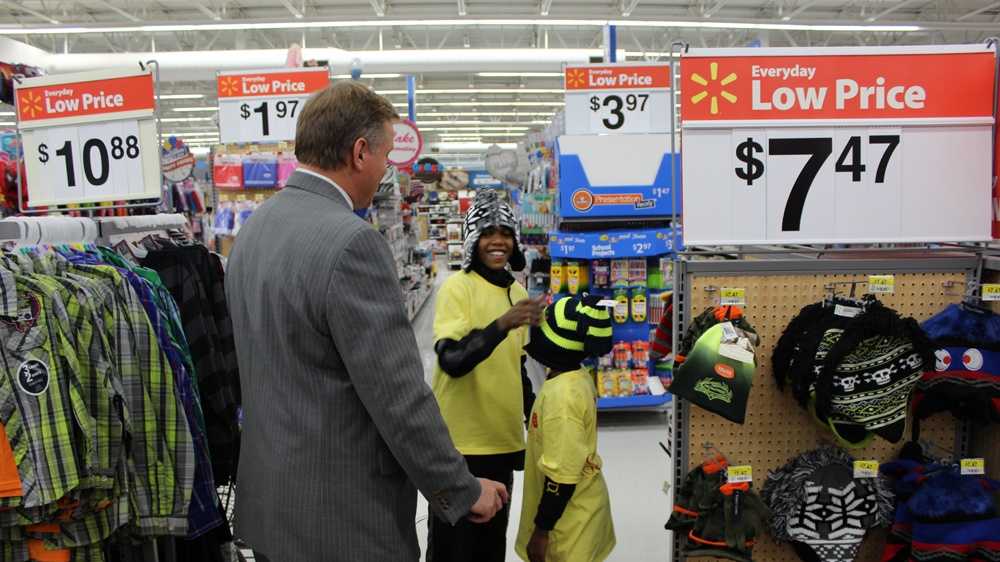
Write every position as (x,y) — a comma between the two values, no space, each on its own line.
(496,245)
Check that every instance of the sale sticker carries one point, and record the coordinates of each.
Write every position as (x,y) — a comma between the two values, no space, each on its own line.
(973,467)
(264,105)
(37,104)
(837,86)
(882,284)
(866,469)
(739,474)
(991,292)
(731,296)
(407,143)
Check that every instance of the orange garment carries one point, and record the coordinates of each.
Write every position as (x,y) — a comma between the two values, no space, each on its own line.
(10,480)
(39,553)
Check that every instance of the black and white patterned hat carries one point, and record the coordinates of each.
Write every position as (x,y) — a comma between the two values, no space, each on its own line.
(822,509)
(488,210)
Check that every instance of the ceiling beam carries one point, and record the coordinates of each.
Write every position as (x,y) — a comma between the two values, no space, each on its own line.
(21,8)
(461,8)
(292,9)
(198,6)
(379,7)
(718,6)
(888,11)
(800,10)
(116,10)
(628,6)
(978,11)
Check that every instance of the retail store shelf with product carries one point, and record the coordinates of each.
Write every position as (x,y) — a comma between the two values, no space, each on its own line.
(634,269)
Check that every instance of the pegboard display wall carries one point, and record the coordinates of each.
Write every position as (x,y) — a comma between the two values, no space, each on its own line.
(776,428)
(986,440)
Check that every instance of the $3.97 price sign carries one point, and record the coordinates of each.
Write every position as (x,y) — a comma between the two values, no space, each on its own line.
(852,161)
(619,112)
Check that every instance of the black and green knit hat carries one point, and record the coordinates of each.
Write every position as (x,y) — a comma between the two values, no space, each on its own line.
(573,329)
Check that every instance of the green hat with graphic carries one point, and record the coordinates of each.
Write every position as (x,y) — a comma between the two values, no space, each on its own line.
(718,372)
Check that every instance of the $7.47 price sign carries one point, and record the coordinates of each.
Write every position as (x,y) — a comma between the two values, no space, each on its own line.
(264,106)
(818,150)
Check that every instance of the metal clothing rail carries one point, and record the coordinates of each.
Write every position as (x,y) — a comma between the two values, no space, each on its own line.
(32,231)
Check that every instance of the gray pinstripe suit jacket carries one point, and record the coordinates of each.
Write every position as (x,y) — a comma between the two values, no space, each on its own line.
(340,428)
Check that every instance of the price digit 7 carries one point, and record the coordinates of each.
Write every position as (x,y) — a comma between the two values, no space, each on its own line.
(645,98)
(818,150)
(892,141)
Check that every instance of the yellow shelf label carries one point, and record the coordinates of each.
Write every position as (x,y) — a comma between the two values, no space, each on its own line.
(737,474)
(733,296)
(865,469)
(882,284)
(991,292)
(974,466)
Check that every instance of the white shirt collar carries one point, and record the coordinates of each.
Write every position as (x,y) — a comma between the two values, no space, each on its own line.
(350,202)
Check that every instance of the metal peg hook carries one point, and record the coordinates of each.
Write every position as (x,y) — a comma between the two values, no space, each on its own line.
(684,45)
(992,41)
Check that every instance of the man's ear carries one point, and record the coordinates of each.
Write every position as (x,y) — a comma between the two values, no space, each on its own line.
(359,149)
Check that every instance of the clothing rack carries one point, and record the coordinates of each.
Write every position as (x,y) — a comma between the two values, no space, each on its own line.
(31,231)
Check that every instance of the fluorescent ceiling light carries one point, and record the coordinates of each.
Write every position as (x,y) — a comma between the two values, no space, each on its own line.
(476,91)
(6,123)
(6,113)
(434,114)
(469,145)
(363,76)
(185,119)
(77,29)
(194,109)
(190,134)
(520,74)
(420,124)
(476,129)
(180,97)
(486,104)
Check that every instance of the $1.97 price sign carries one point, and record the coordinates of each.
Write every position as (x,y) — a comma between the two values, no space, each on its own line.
(89,137)
(617,98)
(835,145)
(264,105)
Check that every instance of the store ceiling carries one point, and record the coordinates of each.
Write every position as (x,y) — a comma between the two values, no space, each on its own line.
(498,108)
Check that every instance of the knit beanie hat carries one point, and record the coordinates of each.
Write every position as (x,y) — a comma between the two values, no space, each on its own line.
(821,508)
(487,211)
(942,515)
(708,318)
(729,526)
(864,383)
(718,372)
(965,378)
(573,329)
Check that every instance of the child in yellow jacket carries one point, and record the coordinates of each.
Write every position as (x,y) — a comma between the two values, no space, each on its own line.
(566,516)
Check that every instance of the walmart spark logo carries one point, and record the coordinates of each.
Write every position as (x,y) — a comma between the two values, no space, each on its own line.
(31,105)
(229,86)
(576,78)
(714,75)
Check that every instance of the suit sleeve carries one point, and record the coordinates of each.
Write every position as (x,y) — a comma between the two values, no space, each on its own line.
(373,335)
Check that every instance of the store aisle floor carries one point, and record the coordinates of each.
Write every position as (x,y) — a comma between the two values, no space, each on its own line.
(635,468)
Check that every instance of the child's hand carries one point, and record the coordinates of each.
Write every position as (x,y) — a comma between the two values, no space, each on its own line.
(537,546)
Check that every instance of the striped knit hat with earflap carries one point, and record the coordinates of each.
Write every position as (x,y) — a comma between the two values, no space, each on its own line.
(573,329)
(489,211)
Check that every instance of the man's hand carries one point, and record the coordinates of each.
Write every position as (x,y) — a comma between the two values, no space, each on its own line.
(492,497)
(527,312)
(537,546)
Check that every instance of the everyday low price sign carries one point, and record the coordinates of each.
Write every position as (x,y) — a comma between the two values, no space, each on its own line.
(837,145)
(89,137)
(264,105)
(617,98)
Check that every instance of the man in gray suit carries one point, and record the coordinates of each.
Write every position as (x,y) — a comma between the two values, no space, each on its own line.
(339,425)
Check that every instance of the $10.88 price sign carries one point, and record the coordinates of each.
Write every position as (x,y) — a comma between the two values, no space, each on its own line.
(617,98)
(837,146)
(264,106)
(89,137)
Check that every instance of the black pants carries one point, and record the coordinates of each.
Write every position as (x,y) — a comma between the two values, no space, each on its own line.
(468,541)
